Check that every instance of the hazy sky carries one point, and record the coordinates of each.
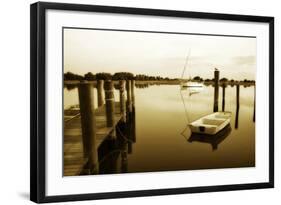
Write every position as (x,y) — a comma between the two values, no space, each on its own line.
(158,54)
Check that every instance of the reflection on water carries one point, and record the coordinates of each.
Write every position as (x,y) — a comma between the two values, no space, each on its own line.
(113,154)
(213,140)
(152,140)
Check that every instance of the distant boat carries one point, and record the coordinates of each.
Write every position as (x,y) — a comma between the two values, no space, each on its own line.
(188,84)
(191,84)
(210,124)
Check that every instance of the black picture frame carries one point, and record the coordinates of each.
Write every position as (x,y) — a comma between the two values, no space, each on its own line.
(38,97)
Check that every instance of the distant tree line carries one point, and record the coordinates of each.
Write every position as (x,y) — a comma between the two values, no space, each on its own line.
(72,76)
(141,77)
(198,78)
(225,81)
(116,76)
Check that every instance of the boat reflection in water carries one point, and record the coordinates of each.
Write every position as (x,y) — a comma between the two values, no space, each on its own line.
(213,140)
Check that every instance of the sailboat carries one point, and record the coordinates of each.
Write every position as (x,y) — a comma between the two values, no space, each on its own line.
(188,84)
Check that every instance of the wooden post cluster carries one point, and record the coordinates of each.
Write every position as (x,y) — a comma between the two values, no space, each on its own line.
(90,115)
(216,94)
(88,125)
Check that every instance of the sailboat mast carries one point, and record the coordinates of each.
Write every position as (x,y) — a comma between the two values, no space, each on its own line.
(185,65)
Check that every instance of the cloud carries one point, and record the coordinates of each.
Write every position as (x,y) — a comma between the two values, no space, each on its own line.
(244,60)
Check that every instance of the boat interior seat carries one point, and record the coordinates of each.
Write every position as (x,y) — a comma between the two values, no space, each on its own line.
(213,121)
(222,115)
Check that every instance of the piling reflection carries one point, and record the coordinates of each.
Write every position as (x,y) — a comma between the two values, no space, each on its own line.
(113,154)
(143,85)
(70,86)
(224,86)
(237,117)
(237,106)
(254,115)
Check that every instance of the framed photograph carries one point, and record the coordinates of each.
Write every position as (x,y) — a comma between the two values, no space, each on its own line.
(129,102)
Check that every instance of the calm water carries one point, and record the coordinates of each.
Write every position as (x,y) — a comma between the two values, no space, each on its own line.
(161,117)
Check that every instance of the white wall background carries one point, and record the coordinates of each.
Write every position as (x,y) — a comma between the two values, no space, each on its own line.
(14,103)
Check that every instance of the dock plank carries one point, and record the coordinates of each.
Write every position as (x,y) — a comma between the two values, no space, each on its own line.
(73,147)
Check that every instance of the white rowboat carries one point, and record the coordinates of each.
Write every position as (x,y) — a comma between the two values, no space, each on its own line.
(211,124)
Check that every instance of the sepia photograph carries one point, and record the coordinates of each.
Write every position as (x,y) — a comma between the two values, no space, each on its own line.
(145,101)
(134,102)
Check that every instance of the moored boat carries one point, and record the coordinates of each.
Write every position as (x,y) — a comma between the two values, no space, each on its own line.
(188,83)
(211,124)
(192,85)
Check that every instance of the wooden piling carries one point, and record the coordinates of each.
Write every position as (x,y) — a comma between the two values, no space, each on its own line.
(223,97)
(216,89)
(100,84)
(122,99)
(88,125)
(109,103)
(129,95)
(133,91)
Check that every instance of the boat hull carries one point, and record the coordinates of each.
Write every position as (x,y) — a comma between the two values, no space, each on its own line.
(211,124)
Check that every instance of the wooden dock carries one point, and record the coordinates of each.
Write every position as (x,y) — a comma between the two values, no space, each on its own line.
(81,141)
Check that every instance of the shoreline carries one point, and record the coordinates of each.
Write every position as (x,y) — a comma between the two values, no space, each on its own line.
(166,82)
